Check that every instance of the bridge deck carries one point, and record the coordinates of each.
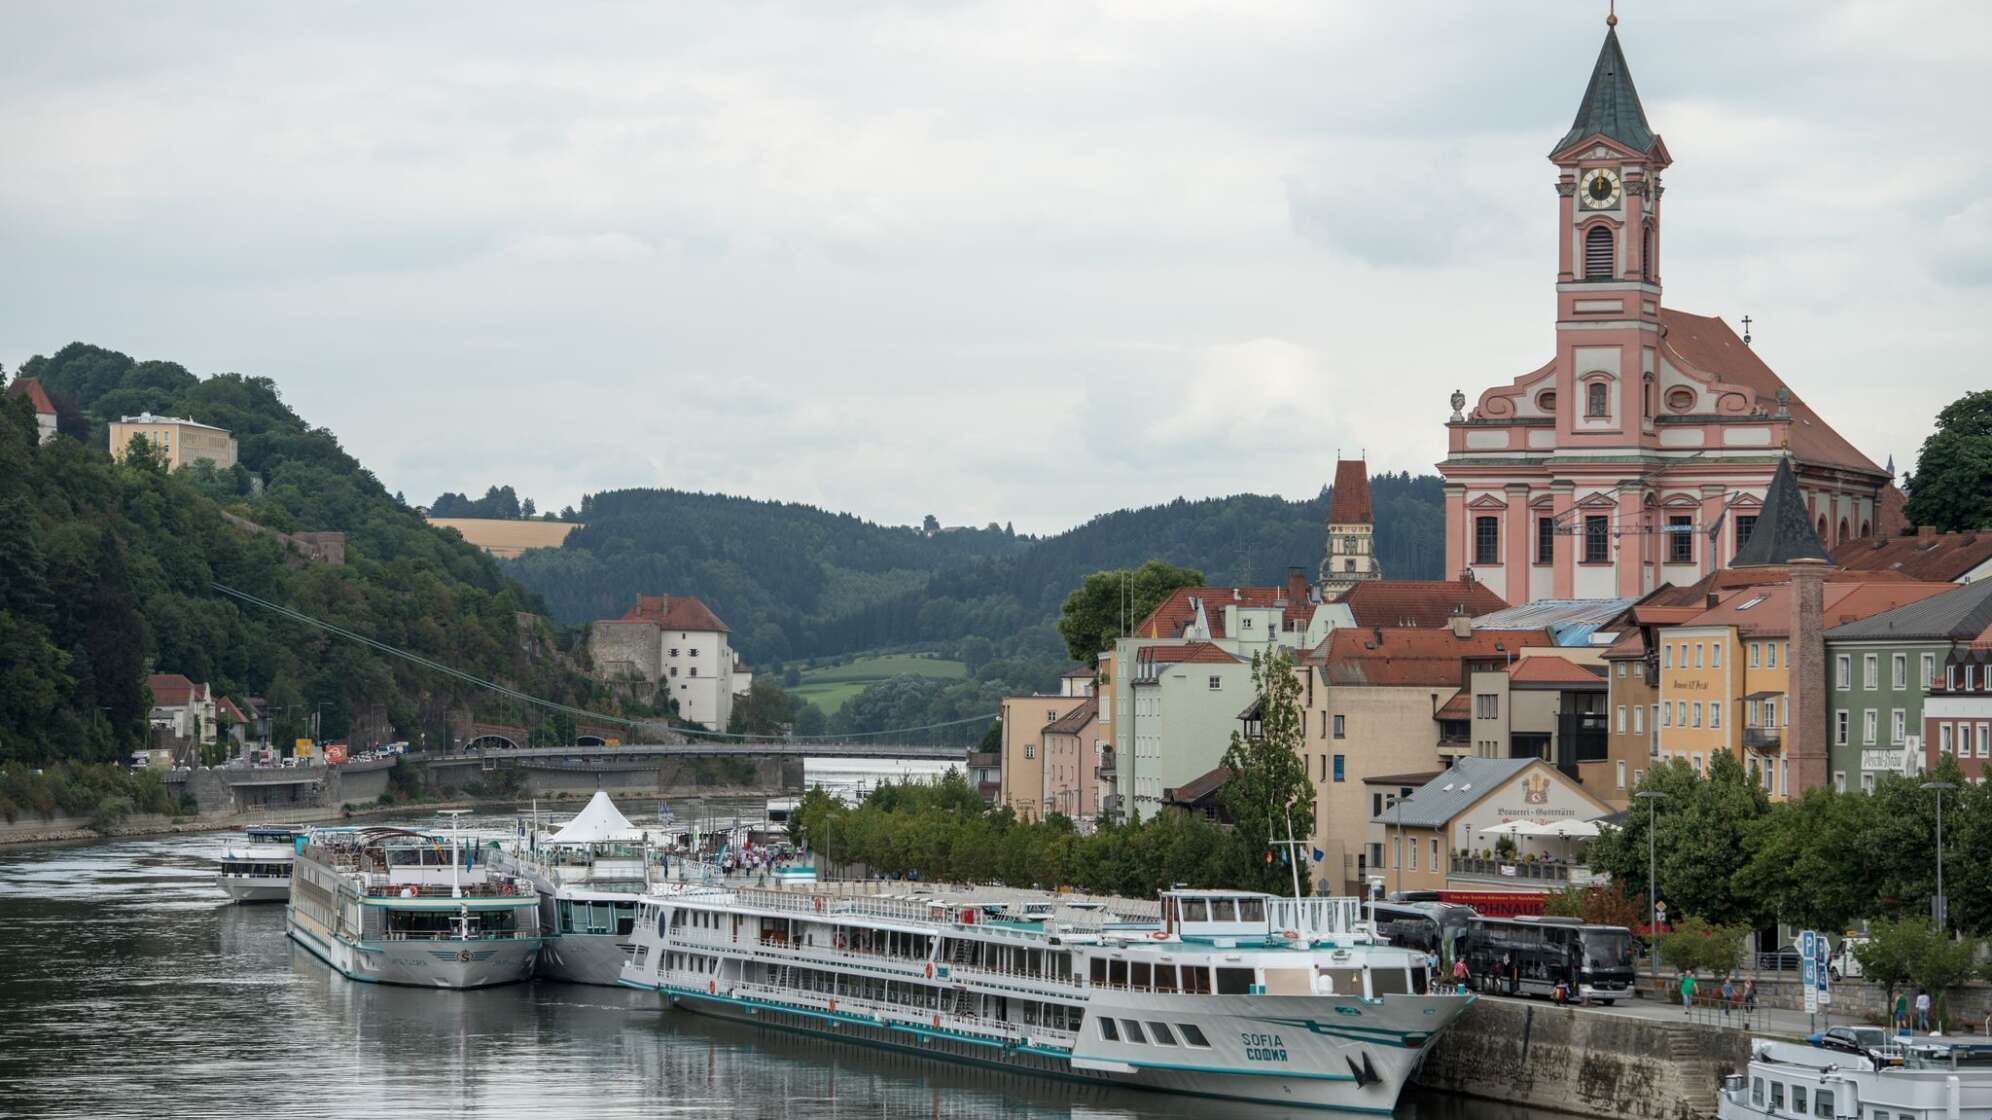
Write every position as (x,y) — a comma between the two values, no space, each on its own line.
(634,752)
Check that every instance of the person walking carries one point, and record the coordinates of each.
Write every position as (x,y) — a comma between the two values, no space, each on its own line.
(1728,995)
(1901,1019)
(1923,1012)
(1750,997)
(1461,976)
(1688,992)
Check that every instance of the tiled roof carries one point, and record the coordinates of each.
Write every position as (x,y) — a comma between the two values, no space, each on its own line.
(674,612)
(1544,669)
(1455,790)
(1198,653)
(1459,707)
(1418,602)
(1630,644)
(1954,615)
(1784,530)
(1766,611)
(1199,787)
(1708,344)
(1179,610)
(1611,105)
(31,388)
(1349,502)
(227,708)
(1080,672)
(1075,721)
(1940,556)
(171,690)
(1411,656)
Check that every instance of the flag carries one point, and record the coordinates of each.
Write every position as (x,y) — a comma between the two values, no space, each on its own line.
(1319,855)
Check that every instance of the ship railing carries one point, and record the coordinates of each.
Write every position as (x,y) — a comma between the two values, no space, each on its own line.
(443,890)
(788,950)
(450,935)
(1315,917)
(941,910)
(884,1012)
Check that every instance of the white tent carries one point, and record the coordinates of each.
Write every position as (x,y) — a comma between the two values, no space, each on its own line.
(1568,829)
(599,823)
(1508,828)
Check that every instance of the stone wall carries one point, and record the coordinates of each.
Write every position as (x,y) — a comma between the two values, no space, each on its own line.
(624,649)
(1589,1063)
(1857,1001)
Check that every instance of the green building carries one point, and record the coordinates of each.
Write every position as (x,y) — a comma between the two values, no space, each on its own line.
(1881,668)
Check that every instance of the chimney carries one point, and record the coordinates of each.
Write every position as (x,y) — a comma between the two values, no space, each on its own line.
(1714,600)
(1462,626)
(1296,586)
(1805,740)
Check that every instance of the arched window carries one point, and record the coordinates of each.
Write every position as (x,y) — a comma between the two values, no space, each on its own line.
(1595,399)
(1598,253)
(1646,262)
(1866,529)
(1822,528)
(1843,532)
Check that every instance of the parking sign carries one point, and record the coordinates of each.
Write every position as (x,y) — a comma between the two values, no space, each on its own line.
(1808,969)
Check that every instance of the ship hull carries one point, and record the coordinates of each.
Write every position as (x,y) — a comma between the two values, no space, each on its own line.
(582,958)
(449,964)
(259,888)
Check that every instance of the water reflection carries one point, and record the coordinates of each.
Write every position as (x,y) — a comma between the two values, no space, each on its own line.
(130,988)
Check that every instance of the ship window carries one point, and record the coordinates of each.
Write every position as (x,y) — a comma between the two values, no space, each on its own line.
(1822,1104)
(1193,1035)
(1389,982)
(1108,1031)
(1165,977)
(1234,981)
(1757,1091)
(1141,976)
(1117,974)
(1131,1030)
(1798,1099)
(1196,980)
(1343,981)
(1195,910)
(1251,909)
(1160,1033)
(1099,970)
(1777,1095)
(1222,910)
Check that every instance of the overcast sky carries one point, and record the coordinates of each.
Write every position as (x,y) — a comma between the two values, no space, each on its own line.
(1014,262)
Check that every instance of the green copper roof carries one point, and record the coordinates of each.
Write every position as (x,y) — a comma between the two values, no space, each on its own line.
(1611,105)
(1783,532)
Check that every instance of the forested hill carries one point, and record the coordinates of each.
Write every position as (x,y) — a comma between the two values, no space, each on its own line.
(105,571)
(794,581)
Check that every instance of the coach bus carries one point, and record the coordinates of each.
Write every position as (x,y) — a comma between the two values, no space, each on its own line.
(1428,927)
(1530,955)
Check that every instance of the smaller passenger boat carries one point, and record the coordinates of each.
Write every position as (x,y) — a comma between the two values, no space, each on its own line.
(1905,1078)
(589,874)
(256,863)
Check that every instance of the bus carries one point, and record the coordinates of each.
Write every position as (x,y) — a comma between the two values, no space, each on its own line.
(1428,927)
(1530,955)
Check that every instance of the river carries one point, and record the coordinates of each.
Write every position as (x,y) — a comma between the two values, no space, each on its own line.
(130,988)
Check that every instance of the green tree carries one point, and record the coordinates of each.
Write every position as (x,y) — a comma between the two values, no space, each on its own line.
(1695,945)
(1952,486)
(1797,866)
(1603,904)
(1699,841)
(1268,795)
(1890,954)
(1107,603)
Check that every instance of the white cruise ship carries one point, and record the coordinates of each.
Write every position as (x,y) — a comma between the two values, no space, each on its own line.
(256,864)
(391,906)
(1862,1073)
(1222,994)
(589,874)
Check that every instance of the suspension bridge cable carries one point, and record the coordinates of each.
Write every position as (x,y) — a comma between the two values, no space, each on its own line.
(298,616)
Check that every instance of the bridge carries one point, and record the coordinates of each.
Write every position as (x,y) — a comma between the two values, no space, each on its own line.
(491,747)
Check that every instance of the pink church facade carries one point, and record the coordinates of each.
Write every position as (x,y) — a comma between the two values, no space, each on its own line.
(1640,453)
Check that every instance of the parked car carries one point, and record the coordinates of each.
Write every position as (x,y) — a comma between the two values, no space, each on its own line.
(1850,1040)
(1786,959)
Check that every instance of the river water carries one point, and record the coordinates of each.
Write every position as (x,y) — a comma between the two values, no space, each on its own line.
(129,987)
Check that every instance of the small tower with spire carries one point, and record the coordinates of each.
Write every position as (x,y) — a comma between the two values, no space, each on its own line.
(1351,557)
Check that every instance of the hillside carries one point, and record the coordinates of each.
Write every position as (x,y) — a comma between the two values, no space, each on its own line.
(795,581)
(105,570)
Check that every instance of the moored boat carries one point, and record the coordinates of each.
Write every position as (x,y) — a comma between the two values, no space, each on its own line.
(1213,993)
(256,863)
(1901,1078)
(589,874)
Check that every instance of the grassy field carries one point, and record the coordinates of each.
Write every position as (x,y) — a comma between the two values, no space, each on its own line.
(829,687)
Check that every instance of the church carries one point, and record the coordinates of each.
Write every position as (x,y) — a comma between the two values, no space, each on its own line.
(1641,452)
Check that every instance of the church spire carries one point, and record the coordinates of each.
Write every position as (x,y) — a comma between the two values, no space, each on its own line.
(1783,532)
(1611,105)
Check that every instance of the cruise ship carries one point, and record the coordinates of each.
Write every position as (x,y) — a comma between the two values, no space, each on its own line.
(1863,1072)
(1214,993)
(256,864)
(393,906)
(589,874)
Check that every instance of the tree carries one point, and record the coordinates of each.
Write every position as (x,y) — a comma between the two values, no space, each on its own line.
(1695,945)
(1952,486)
(1900,950)
(975,652)
(1268,794)
(1699,843)
(1797,867)
(931,523)
(526,509)
(1602,904)
(1107,603)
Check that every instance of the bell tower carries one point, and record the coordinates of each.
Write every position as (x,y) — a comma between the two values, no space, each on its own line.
(1608,262)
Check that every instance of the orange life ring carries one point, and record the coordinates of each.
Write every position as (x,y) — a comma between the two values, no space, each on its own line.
(840,942)
(937,1022)
(930,970)
(1160,935)
(712,987)
(1291,935)
(833,1005)
(819,904)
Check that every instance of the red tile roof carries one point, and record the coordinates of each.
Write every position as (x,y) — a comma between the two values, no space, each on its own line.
(1708,344)
(1938,556)
(1412,655)
(31,388)
(228,709)
(1459,707)
(1075,721)
(171,690)
(1192,653)
(1630,644)
(1349,503)
(1548,669)
(1766,611)
(1199,787)
(1175,614)
(674,612)
(1418,602)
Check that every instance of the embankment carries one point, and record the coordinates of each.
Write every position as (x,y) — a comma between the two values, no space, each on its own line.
(1589,1063)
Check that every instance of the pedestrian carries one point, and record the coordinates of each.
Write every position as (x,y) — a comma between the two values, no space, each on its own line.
(1901,1020)
(1923,1012)
(1688,992)
(1462,977)
(1728,994)
(1750,997)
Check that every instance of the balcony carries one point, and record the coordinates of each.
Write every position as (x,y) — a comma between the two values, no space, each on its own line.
(1552,875)
(1763,738)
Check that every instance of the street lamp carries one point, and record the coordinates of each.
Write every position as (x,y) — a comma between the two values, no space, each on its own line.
(1942,903)
(1398,849)
(1653,798)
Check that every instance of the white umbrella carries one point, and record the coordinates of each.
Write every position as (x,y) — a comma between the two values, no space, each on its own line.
(1568,829)
(1507,828)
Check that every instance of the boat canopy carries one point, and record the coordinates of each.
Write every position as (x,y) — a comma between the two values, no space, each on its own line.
(599,823)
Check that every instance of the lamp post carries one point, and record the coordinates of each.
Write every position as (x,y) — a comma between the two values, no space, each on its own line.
(1942,903)
(1398,803)
(1653,798)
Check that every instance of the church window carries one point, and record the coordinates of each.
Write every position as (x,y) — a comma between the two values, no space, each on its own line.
(1744,524)
(1680,540)
(1597,540)
(1681,399)
(1546,400)
(1487,540)
(1646,261)
(1843,532)
(1598,253)
(1596,399)
(1545,540)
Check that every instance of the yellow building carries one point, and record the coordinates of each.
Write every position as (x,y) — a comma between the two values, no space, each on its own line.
(181,442)
(1701,690)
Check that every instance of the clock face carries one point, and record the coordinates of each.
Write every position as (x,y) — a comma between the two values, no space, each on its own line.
(1600,189)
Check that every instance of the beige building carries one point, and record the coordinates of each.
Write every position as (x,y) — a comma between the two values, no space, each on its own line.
(180,441)
(504,538)
(1434,839)
(676,644)
(1024,721)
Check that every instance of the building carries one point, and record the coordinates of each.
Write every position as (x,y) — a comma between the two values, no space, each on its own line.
(1072,762)
(672,644)
(178,440)
(1546,705)
(1957,717)
(182,709)
(1928,555)
(1885,667)
(985,773)
(1447,834)
(1426,603)
(505,538)
(1202,795)
(241,727)
(1383,701)
(1351,552)
(1175,722)
(45,417)
(1640,453)
(1021,777)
